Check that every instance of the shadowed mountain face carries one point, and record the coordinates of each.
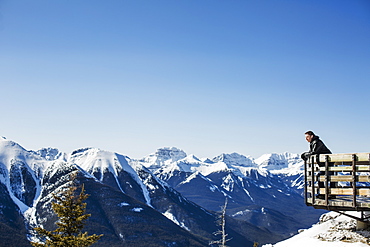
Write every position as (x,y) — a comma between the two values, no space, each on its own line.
(165,199)
(12,223)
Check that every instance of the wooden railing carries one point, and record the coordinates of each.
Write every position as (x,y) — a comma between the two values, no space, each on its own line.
(338,181)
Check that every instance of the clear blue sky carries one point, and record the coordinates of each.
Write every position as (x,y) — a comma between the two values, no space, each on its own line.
(206,76)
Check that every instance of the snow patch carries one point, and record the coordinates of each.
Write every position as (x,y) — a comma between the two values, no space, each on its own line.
(249,195)
(171,217)
(137,210)
(240,213)
(191,177)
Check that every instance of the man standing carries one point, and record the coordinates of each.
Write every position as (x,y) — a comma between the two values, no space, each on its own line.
(317,146)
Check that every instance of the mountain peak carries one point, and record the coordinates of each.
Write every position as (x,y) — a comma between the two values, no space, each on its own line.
(81,150)
(170,154)
(234,159)
(6,143)
(50,153)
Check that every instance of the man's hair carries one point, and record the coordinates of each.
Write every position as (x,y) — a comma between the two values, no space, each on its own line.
(309,133)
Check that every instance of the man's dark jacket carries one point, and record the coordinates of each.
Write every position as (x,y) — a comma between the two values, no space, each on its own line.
(316,147)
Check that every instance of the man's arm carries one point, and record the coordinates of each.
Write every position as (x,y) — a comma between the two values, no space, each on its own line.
(305,156)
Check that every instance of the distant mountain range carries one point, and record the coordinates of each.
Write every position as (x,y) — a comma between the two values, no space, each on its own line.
(167,198)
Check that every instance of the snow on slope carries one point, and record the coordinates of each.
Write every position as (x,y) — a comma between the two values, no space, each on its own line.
(94,160)
(333,230)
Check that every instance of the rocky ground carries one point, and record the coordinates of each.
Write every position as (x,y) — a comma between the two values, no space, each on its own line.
(342,230)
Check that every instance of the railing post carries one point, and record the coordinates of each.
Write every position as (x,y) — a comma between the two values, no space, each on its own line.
(354,188)
(305,182)
(326,180)
(313,179)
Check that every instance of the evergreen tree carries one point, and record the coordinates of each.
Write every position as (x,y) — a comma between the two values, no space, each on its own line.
(70,209)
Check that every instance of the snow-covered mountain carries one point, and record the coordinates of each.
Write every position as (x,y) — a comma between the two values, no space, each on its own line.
(129,203)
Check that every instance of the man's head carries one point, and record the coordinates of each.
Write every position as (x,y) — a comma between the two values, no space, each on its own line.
(309,135)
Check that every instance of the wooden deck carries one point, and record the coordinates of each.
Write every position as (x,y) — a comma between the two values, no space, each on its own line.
(338,181)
